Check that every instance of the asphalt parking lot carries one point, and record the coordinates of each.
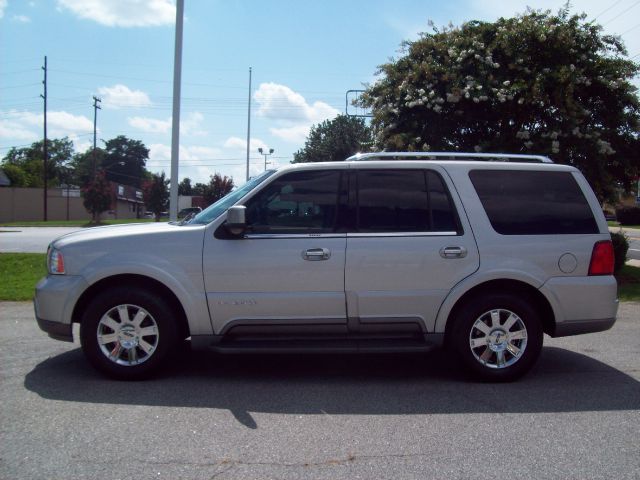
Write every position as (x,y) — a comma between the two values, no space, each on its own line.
(577,415)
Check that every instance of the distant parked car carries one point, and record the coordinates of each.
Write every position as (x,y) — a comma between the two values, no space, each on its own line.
(188,211)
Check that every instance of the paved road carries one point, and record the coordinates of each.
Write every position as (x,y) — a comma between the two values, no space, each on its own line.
(30,239)
(577,415)
(634,243)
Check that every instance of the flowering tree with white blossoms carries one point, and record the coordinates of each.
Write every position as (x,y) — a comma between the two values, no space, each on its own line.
(538,83)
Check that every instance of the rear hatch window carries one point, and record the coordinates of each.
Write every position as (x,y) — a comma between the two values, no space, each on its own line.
(525,202)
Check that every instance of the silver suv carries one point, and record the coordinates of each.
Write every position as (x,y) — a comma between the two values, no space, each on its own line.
(383,252)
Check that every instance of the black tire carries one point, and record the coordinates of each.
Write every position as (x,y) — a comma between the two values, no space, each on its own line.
(137,332)
(499,351)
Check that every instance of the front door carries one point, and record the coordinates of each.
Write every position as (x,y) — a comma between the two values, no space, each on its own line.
(287,274)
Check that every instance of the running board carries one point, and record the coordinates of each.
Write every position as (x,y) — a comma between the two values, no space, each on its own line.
(224,345)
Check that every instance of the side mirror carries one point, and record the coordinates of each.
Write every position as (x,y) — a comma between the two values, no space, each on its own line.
(236,220)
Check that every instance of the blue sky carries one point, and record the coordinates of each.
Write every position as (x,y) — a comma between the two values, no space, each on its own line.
(305,55)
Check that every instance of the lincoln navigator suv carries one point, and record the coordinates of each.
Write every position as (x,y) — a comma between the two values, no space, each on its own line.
(480,253)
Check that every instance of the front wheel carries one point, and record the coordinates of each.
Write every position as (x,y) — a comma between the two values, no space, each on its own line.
(127,333)
(497,337)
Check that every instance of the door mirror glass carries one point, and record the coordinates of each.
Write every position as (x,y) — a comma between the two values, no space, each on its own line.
(236,220)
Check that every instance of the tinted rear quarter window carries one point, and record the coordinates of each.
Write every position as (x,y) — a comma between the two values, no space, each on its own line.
(524,202)
(403,201)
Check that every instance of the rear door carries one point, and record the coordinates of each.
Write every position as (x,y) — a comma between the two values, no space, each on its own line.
(411,244)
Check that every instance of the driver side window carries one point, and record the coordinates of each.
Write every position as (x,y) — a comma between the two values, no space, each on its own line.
(296,203)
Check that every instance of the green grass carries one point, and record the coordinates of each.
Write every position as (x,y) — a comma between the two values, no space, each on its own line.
(19,273)
(75,223)
(629,284)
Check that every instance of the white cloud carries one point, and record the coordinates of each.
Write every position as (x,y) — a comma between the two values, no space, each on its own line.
(3,5)
(189,126)
(293,115)
(27,126)
(13,130)
(295,134)
(279,102)
(120,96)
(240,144)
(123,13)
(21,19)
(63,123)
(150,125)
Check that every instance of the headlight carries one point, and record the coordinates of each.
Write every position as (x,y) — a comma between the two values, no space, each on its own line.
(55,261)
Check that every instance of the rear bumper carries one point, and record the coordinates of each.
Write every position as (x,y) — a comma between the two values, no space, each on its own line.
(582,304)
(579,327)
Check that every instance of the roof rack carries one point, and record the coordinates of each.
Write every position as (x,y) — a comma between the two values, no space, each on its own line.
(486,157)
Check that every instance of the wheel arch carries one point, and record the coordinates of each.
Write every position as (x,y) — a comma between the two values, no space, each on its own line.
(134,281)
(515,287)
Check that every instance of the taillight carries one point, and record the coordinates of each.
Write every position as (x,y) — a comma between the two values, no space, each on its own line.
(602,258)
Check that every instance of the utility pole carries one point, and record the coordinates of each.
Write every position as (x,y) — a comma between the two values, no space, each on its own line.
(249,125)
(96,107)
(45,152)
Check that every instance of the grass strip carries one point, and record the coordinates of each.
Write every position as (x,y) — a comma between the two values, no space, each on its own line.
(19,273)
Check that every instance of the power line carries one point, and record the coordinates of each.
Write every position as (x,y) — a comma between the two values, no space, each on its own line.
(606,10)
(621,13)
(630,30)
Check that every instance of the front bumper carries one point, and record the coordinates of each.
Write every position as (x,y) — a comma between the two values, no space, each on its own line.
(57,331)
(54,300)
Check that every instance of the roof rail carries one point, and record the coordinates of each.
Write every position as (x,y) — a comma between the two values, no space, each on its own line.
(486,157)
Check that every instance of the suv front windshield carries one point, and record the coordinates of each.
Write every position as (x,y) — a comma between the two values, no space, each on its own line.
(213,211)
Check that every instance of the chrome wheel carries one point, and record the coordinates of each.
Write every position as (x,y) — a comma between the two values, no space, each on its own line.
(127,335)
(498,338)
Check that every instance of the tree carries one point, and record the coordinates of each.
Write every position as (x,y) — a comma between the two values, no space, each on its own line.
(97,196)
(82,165)
(26,166)
(536,83)
(156,194)
(125,160)
(217,188)
(184,187)
(16,175)
(335,140)
(199,189)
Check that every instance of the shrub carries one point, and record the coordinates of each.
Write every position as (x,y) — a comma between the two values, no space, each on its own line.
(628,215)
(620,247)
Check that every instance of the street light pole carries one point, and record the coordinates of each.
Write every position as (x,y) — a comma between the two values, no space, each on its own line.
(175,119)
(261,151)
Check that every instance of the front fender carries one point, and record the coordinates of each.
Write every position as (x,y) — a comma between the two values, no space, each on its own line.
(185,283)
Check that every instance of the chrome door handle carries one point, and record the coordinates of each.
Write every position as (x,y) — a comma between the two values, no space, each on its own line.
(315,254)
(453,252)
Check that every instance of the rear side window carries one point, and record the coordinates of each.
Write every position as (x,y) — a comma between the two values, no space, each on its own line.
(403,201)
(520,202)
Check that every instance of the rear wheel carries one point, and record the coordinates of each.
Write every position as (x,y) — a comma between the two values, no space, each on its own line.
(497,337)
(127,333)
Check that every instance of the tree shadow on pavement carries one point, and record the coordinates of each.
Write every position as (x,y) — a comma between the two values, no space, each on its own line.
(562,381)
